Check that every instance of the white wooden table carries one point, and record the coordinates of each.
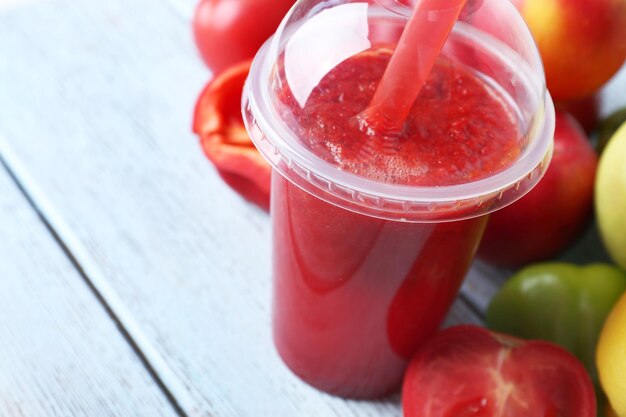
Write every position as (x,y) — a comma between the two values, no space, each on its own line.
(132,281)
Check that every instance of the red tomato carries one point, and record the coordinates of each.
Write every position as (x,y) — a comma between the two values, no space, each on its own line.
(219,124)
(230,31)
(467,371)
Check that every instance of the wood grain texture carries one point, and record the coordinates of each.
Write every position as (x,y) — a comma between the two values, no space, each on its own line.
(97,129)
(60,352)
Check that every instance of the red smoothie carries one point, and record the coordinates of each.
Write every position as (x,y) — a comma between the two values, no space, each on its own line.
(355,295)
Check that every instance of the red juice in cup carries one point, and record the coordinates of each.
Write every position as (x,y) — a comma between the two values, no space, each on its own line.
(373,232)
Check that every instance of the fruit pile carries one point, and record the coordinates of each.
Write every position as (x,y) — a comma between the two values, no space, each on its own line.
(579,313)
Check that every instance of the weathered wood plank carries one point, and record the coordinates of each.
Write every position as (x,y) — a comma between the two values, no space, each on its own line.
(6,4)
(60,352)
(183,8)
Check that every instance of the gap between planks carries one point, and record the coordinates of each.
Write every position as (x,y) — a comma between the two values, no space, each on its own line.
(170,385)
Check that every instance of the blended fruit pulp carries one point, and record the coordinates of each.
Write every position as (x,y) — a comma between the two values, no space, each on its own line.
(354,295)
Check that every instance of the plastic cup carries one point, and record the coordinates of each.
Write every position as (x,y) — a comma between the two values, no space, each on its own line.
(365,267)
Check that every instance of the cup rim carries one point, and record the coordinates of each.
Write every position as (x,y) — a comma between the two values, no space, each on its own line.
(292,159)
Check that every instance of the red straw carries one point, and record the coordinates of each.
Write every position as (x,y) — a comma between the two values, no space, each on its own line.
(417,51)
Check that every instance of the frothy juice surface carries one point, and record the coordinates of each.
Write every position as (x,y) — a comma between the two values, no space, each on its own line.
(355,295)
(459,130)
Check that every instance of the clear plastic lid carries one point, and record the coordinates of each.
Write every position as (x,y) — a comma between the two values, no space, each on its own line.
(476,136)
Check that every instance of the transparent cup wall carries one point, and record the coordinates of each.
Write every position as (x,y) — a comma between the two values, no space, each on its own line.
(364,270)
